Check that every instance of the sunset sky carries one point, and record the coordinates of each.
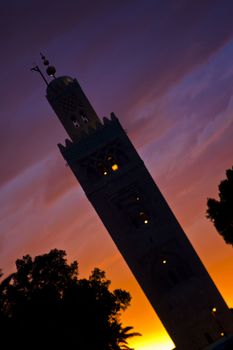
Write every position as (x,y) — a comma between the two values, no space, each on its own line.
(165,67)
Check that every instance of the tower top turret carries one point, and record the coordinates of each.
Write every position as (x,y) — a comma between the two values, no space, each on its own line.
(69,103)
(58,85)
(72,107)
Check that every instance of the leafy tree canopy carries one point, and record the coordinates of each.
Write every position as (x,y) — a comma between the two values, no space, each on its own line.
(220,212)
(44,305)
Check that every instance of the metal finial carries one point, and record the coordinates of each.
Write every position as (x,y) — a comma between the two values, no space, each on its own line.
(37,69)
(51,70)
(45,61)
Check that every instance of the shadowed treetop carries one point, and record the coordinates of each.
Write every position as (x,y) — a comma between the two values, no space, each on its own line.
(220,212)
(44,305)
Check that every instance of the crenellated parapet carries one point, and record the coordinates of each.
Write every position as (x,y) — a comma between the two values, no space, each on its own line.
(112,125)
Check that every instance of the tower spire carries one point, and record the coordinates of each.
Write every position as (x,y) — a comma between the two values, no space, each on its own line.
(51,70)
(37,69)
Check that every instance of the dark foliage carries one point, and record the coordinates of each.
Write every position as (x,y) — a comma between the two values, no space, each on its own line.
(221,212)
(43,305)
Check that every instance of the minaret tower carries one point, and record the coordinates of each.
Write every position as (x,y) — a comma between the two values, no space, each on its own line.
(139,220)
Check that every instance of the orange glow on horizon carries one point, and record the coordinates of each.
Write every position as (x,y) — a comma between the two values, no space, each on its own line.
(158,342)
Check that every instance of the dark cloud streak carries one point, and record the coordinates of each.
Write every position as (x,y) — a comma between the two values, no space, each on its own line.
(127,51)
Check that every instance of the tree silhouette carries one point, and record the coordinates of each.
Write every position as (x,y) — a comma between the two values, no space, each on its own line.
(45,305)
(221,212)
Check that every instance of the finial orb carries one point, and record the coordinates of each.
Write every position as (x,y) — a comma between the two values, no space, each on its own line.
(51,71)
(46,62)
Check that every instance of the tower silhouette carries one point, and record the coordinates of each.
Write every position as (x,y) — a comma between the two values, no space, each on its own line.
(139,220)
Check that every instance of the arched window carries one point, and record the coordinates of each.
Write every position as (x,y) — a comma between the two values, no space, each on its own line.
(168,269)
(132,205)
(75,121)
(83,116)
